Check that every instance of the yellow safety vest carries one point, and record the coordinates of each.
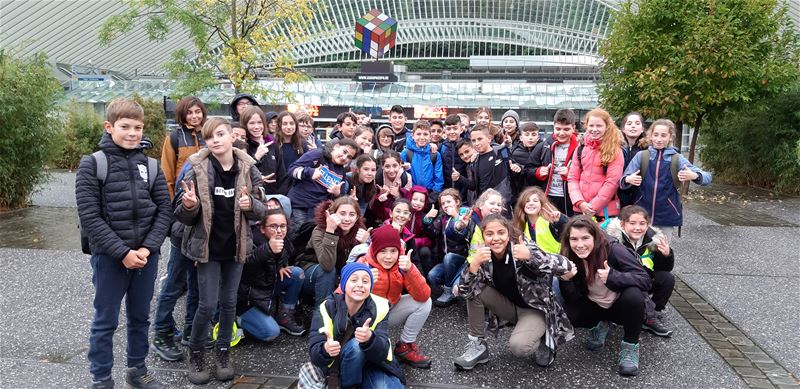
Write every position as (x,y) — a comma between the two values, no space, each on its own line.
(382,306)
(475,240)
(544,238)
(647,259)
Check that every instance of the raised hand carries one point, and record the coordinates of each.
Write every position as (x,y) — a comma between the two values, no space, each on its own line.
(571,273)
(189,198)
(634,179)
(687,175)
(311,142)
(603,272)
(375,274)
(332,222)
(317,173)
(261,151)
(455,175)
(545,170)
(555,214)
(432,213)
(515,168)
(463,221)
(362,235)
(520,251)
(269,178)
(407,166)
(332,347)
(383,194)
(663,246)
(244,199)
(276,245)
(363,334)
(353,194)
(434,147)
(482,255)
(404,261)
(336,190)
(394,188)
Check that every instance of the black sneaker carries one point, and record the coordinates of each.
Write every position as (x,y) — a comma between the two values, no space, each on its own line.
(198,373)
(107,383)
(657,327)
(224,370)
(140,378)
(187,337)
(543,356)
(164,346)
(476,352)
(286,321)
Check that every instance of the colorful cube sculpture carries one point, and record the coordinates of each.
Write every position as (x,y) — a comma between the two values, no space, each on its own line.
(376,33)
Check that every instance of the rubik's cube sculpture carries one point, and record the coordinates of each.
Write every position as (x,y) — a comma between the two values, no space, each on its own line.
(376,33)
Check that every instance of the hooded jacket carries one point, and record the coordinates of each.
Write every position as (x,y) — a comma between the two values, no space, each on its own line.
(646,248)
(260,273)
(234,114)
(124,214)
(271,163)
(528,159)
(546,151)
(198,219)
(391,282)
(416,225)
(189,142)
(589,183)
(330,251)
(423,171)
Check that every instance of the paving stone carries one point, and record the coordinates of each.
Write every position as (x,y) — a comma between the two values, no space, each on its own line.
(715,318)
(246,386)
(726,352)
(786,380)
(699,322)
(741,362)
(721,344)
(759,357)
(749,372)
(771,369)
(758,383)
(730,333)
(788,386)
(692,314)
(750,349)
(740,341)
(712,336)
(247,379)
(279,382)
(727,326)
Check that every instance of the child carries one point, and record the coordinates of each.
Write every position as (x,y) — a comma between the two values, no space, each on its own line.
(452,251)
(489,169)
(263,148)
(349,342)
(396,273)
(538,220)
(309,190)
(391,178)
(524,160)
(510,124)
(513,283)
(239,136)
(215,205)
(397,119)
(385,139)
(363,188)
(305,124)
(466,228)
(483,117)
(437,133)
(190,113)
(363,137)
(450,159)
(272,123)
(657,172)
(292,144)
(555,157)
(121,241)
(422,214)
(239,103)
(594,175)
(345,126)
(633,230)
(426,165)
(259,289)
(608,284)
(634,141)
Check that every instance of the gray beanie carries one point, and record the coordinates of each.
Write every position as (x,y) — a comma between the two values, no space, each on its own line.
(510,114)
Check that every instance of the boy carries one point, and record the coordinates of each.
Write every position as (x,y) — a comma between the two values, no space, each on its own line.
(426,165)
(555,154)
(489,169)
(125,240)
(437,132)
(524,160)
(466,154)
(452,131)
(345,126)
(397,119)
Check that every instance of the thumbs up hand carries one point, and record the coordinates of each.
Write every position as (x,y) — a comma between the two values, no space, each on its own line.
(520,251)
(332,347)
(455,175)
(571,273)
(276,245)
(363,334)
(687,174)
(603,272)
(404,261)
(545,170)
(362,235)
(244,199)
(432,213)
(634,179)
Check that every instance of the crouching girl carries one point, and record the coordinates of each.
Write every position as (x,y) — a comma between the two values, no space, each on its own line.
(513,282)
(349,341)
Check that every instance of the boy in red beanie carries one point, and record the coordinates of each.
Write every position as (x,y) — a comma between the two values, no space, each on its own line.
(395,271)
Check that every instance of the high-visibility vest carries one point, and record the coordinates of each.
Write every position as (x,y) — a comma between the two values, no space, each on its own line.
(544,238)
(647,259)
(382,306)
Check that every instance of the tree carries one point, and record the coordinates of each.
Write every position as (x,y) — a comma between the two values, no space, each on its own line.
(238,39)
(28,93)
(690,59)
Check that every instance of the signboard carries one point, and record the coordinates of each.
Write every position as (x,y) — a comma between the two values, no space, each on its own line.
(427,112)
(311,110)
(376,77)
(329,178)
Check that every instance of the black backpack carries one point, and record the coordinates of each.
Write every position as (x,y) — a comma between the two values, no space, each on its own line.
(101,172)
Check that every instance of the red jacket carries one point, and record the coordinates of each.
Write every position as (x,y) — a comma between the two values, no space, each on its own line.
(588,183)
(391,282)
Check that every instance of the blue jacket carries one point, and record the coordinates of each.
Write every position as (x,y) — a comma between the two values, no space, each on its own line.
(658,194)
(422,171)
(307,193)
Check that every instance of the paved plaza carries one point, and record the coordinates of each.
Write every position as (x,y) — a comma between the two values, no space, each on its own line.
(735,310)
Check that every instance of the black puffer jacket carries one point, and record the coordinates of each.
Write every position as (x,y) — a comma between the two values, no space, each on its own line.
(260,273)
(131,216)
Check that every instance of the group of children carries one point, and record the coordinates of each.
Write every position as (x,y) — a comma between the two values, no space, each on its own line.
(546,235)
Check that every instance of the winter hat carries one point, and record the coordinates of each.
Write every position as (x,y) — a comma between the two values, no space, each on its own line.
(351,268)
(510,114)
(286,204)
(269,116)
(383,237)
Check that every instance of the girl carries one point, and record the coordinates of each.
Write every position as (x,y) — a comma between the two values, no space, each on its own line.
(658,171)
(272,123)
(453,252)
(399,215)
(363,137)
(305,124)
(467,227)
(311,186)
(292,145)
(538,220)
(259,287)
(510,123)
(349,341)
(215,206)
(190,113)
(596,168)
(338,229)
(397,273)
(634,141)
(263,148)
(513,282)
(392,177)
(483,115)
(385,140)
(609,283)
(363,188)
(422,216)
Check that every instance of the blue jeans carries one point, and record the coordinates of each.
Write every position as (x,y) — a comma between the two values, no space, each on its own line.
(319,283)
(353,370)
(112,281)
(217,282)
(447,273)
(259,324)
(290,287)
(181,274)
(557,291)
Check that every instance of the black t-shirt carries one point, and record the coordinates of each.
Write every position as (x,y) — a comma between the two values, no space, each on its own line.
(222,239)
(504,278)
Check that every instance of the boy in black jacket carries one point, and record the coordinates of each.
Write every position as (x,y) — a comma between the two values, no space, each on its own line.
(524,160)
(126,220)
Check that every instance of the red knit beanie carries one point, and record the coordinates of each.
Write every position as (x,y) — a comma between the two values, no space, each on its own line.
(383,237)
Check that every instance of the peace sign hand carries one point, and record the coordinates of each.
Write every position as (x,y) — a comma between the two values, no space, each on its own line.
(189,198)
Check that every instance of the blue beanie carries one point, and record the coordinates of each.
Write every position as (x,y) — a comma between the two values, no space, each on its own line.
(351,268)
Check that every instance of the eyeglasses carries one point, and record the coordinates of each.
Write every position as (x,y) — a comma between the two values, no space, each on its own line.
(277,227)
(244,103)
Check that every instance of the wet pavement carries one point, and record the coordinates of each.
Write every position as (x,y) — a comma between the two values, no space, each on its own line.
(745,274)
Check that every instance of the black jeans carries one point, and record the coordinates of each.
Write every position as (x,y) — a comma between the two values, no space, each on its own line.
(627,311)
(663,283)
(217,282)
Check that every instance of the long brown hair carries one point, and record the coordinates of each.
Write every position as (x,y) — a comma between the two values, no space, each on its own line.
(513,233)
(599,253)
(520,218)
(296,141)
(611,142)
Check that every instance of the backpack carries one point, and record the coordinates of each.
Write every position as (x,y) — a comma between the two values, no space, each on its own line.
(673,167)
(410,157)
(101,172)
(580,156)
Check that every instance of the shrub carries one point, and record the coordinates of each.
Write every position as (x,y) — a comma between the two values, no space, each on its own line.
(155,126)
(83,129)
(758,146)
(28,91)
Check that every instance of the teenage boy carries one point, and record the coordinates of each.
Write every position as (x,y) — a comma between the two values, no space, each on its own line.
(397,119)
(450,159)
(437,133)
(464,182)
(125,239)
(524,159)
(239,103)
(345,126)
(555,154)
(489,169)
(426,165)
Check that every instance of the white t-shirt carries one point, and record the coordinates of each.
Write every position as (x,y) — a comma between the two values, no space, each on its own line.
(559,159)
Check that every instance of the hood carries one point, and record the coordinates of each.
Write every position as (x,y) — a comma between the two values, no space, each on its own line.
(412,145)
(416,189)
(510,114)
(234,115)
(107,144)
(651,237)
(270,115)
(286,204)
